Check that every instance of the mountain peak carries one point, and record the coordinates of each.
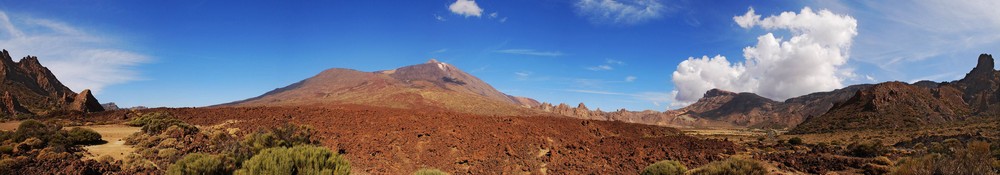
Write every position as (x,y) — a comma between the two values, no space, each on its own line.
(432,61)
(718,92)
(985,63)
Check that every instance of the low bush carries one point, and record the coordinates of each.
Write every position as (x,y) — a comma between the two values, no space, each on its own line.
(198,163)
(795,141)
(80,135)
(867,149)
(731,166)
(155,123)
(285,136)
(298,159)
(429,171)
(666,167)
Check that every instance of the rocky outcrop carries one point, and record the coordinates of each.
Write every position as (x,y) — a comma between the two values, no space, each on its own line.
(890,105)
(10,105)
(110,106)
(894,105)
(30,87)
(86,102)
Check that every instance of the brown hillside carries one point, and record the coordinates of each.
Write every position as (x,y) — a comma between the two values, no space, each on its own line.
(430,85)
(890,105)
(29,87)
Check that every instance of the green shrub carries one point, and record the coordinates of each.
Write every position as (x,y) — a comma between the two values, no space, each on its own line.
(198,163)
(795,141)
(147,118)
(6,149)
(867,149)
(33,128)
(155,123)
(731,166)
(285,136)
(666,167)
(298,159)
(80,135)
(429,171)
(166,153)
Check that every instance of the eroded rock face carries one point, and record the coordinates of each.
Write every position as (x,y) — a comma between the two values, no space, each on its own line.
(86,102)
(32,86)
(10,105)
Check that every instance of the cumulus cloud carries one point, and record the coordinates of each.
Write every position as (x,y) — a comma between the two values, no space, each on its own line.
(466,8)
(619,11)
(80,60)
(810,61)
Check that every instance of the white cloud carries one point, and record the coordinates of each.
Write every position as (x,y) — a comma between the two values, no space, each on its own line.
(531,52)
(810,61)
(494,15)
(440,51)
(870,78)
(440,18)
(466,8)
(630,78)
(503,20)
(615,62)
(600,68)
(523,75)
(79,59)
(619,11)
(608,65)
(899,37)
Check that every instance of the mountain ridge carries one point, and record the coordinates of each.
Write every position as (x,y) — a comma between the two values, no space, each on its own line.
(431,84)
(30,88)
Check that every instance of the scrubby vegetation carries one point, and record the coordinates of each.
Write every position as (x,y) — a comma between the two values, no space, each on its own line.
(198,163)
(170,145)
(297,159)
(951,158)
(731,166)
(666,167)
(36,147)
(429,171)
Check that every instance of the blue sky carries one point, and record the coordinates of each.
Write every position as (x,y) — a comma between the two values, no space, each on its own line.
(609,54)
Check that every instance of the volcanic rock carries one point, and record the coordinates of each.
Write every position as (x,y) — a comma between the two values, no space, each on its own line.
(433,84)
(33,86)
(890,105)
(86,102)
(10,105)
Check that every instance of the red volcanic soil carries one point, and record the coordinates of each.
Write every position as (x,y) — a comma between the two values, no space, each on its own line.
(396,141)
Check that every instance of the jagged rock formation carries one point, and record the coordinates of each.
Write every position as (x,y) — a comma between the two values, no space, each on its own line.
(720,108)
(10,105)
(86,102)
(432,84)
(110,106)
(894,105)
(29,87)
(891,105)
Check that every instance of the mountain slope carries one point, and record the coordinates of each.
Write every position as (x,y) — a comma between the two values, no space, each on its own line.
(28,87)
(894,105)
(433,84)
